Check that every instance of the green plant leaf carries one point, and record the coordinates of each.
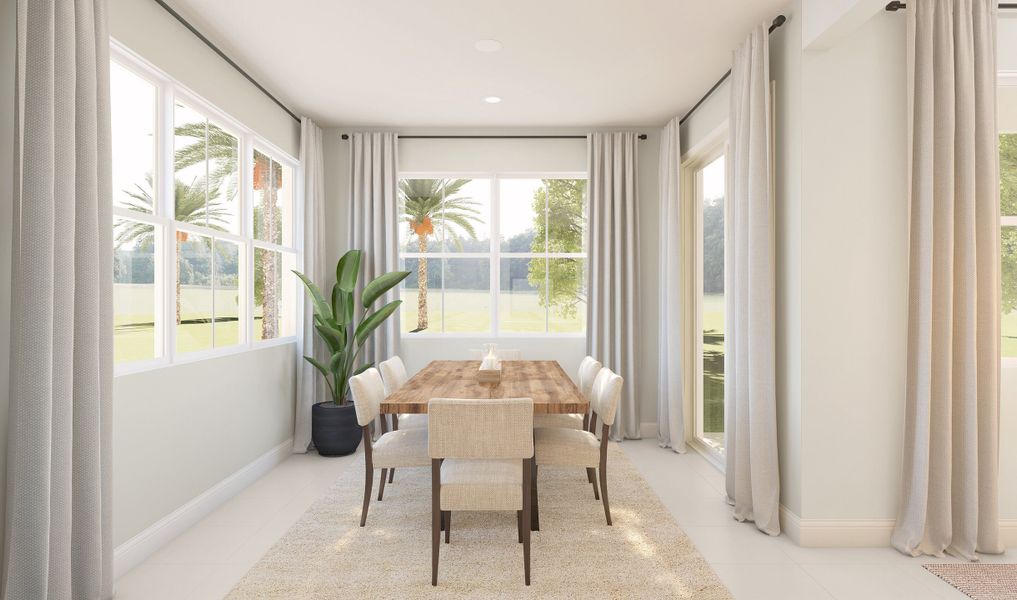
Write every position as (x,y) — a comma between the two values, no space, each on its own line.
(361,369)
(318,365)
(320,305)
(347,270)
(333,339)
(377,288)
(343,302)
(373,320)
(336,364)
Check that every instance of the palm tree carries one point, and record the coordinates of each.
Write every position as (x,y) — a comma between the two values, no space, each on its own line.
(189,206)
(430,202)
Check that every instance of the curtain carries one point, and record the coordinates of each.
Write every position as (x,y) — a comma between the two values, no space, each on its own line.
(58,541)
(374,204)
(951,438)
(670,403)
(310,387)
(753,482)
(611,317)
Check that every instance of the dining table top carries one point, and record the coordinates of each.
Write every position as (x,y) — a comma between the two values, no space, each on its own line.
(551,389)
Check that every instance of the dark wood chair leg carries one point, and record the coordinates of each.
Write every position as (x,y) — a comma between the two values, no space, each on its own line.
(435,518)
(603,476)
(381,488)
(368,476)
(535,505)
(391,475)
(528,479)
(448,524)
(591,473)
(519,523)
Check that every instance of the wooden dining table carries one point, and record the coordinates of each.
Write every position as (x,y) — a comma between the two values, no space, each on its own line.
(551,389)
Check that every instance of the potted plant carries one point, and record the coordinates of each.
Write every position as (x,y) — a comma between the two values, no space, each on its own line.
(334,427)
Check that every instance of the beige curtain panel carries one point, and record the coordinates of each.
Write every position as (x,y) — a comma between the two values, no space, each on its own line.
(310,384)
(950,490)
(671,312)
(750,403)
(374,215)
(611,317)
(58,542)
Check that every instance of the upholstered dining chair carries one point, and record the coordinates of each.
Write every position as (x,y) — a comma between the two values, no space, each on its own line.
(402,448)
(393,373)
(562,447)
(588,370)
(481,460)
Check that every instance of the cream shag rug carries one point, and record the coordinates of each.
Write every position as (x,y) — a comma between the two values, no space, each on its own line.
(574,555)
(978,581)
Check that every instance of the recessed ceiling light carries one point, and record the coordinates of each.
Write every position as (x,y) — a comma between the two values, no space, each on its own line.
(492,99)
(488,45)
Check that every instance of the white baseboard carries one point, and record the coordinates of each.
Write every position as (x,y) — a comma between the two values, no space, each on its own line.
(856,533)
(135,550)
(648,430)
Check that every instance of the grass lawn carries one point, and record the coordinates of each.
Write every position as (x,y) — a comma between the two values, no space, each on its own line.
(134,333)
(713,363)
(469,311)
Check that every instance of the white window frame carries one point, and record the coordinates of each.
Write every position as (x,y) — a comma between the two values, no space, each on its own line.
(168,91)
(712,148)
(1007,79)
(495,254)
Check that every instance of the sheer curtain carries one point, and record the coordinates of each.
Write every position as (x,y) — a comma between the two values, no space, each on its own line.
(614,266)
(750,404)
(950,477)
(58,541)
(374,205)
(310,387)
(670,399)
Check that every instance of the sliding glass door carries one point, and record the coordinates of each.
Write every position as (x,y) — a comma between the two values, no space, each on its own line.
(710,221)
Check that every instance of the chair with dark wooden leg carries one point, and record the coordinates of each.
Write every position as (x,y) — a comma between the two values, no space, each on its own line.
(481,460)
(556,446)
(393,374)
(588,370)
(402,448)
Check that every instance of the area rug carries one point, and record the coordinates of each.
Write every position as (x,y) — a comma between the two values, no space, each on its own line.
(574,555)
(978,581)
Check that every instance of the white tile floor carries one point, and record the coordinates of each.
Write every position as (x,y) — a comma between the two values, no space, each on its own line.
(207,560)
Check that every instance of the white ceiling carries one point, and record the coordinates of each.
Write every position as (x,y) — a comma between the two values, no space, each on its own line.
(412,63)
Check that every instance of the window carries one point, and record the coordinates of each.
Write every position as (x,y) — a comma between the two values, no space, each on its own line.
(202,264)
(501,255)
(709,181)
(1008,210)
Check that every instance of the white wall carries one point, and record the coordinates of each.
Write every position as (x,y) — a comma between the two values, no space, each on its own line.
(512,156)
(148,30)
(181,429)
(8,34)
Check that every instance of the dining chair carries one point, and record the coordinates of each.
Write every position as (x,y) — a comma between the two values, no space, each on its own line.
(481,460)
(588,370)
(393,373)
(402,448)
(503,354)
(557,446)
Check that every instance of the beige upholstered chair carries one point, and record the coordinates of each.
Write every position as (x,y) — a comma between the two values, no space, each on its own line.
(393,373)
(588,370)
(404,448)
(481,459)
(503,354)
(571,448)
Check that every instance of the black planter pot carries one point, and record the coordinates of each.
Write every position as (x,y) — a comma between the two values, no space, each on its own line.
(334,429)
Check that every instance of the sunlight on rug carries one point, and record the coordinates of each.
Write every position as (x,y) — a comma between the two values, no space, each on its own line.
(979,581)
(575,554)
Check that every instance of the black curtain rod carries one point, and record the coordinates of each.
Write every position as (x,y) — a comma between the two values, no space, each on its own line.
(222,55)
(345,136)
(777,22)
(896,5)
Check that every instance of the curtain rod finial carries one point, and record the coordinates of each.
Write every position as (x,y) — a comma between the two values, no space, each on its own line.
(778,21)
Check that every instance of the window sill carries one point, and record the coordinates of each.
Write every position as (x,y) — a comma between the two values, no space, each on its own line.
(134,368)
